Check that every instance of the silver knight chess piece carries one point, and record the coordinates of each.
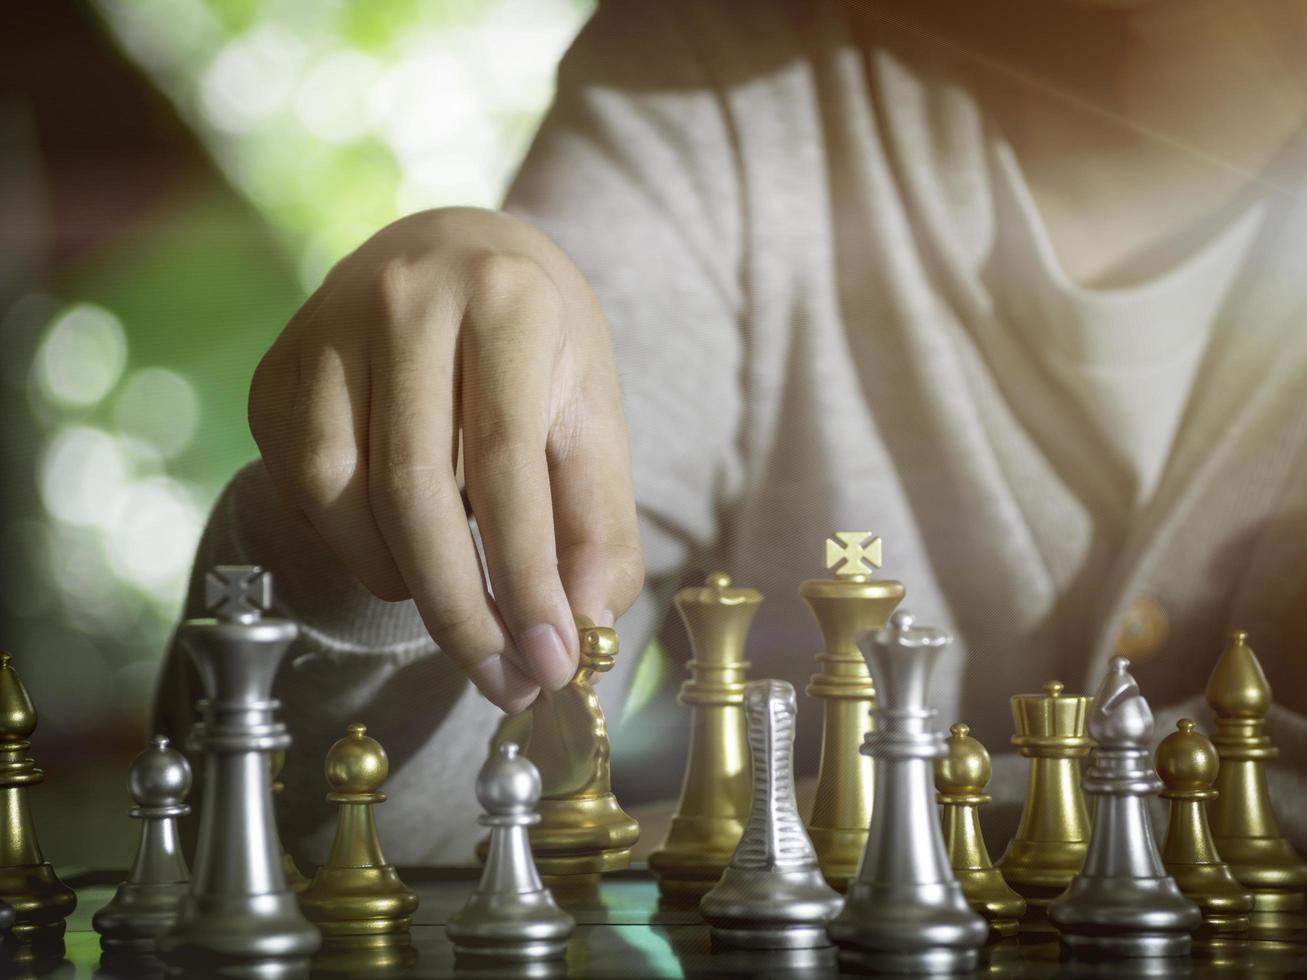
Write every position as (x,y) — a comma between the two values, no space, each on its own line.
(906,911)
(772,894)
(239,917)
(1122,903)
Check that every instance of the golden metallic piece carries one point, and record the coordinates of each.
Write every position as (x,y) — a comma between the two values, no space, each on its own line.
(1053,835)
(295,879)
(1244,827)
(1187,765)
(960,780)
(28,883)
(715,795)
(846,605)
(356,893)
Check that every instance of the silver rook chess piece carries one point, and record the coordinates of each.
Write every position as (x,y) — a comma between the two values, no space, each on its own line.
(511,916)
(1122,903)
(146,903)
(239,916)
(906,912)
(772,894)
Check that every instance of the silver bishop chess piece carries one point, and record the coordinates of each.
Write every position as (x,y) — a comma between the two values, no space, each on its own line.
(146,903)
(772,895)
(906,911)
(511,916)
(1122,903)
(239,918)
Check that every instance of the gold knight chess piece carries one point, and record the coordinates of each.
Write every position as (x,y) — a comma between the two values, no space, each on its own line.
(1243,823)
(715,794)
(846,606)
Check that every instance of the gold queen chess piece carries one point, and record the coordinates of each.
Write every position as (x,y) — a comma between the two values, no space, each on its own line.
(846,606)
(715,795)
(1243,824)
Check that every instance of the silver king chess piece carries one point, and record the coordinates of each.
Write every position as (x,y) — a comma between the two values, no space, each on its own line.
(239,917)
(510,916)
(772,895)
(1122,903)
(906,911)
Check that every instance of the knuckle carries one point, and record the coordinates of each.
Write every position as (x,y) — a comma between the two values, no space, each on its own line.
(321,472)
(498,277)
(462,627)
(403,482)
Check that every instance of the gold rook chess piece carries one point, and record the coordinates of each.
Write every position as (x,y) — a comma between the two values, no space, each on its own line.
(1243,823)
(356,893)
(28,883)
(1053,835)
(960,780)
(1187,764)
(715,795)
(295,879)
(847,605)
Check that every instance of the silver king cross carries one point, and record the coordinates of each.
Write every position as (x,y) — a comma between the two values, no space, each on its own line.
(237,593)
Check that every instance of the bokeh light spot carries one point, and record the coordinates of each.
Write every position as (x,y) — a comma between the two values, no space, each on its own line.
(82,356)
(82,473)
(153,536)
(251,78)
(160,408)
(332,101)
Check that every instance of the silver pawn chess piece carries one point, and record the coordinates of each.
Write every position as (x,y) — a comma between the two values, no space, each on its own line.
(905,912)
(511,916)
(146,903)
(772,895)
(1122,903)
(239,917)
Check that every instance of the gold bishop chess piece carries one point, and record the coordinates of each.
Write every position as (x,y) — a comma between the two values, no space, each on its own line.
(356,893)
(1244,826)
(846,606)
(41,902)
(715,795)
(1053,834)
(961,776)
(1187,765)
(295,879)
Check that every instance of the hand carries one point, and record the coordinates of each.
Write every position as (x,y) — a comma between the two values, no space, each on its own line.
(461,341)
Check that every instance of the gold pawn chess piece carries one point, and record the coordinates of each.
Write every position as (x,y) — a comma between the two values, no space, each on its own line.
(1187,765)
(846,606)
(715,795)
(1053,834)
(961,776)
(356,893)
(1244,827)
(295,879)
(41,902)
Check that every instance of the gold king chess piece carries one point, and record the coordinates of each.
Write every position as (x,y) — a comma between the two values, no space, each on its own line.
(28,883)
(356,893)
(961,776)
(582,832)
(847,605)
(1187,764)
(715,795)
(1053,834)
(295,879)
(1244,827)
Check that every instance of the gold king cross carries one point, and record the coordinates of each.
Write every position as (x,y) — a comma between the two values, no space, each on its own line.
(853,554)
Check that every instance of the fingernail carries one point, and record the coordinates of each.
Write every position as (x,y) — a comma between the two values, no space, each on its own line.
(503,684)
(546,656)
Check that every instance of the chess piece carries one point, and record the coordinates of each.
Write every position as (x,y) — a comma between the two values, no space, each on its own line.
(28,884)
(961,776)
(7,917)
(906,912)
(846,606)
(1122,903)
(1053,834)
(772,895)
(1187,765)
(1244,827)
(238,913)
(295,879)
(146,903)
(356,893)
(715,794)
(511,916)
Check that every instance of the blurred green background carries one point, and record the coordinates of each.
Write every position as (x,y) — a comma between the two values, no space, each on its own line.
(175,177)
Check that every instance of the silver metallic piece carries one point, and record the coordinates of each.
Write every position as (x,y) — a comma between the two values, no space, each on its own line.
(905,912)
(238,917)
(1122,903)
(511,917)
(146,903)
(772,895)
(7,917)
